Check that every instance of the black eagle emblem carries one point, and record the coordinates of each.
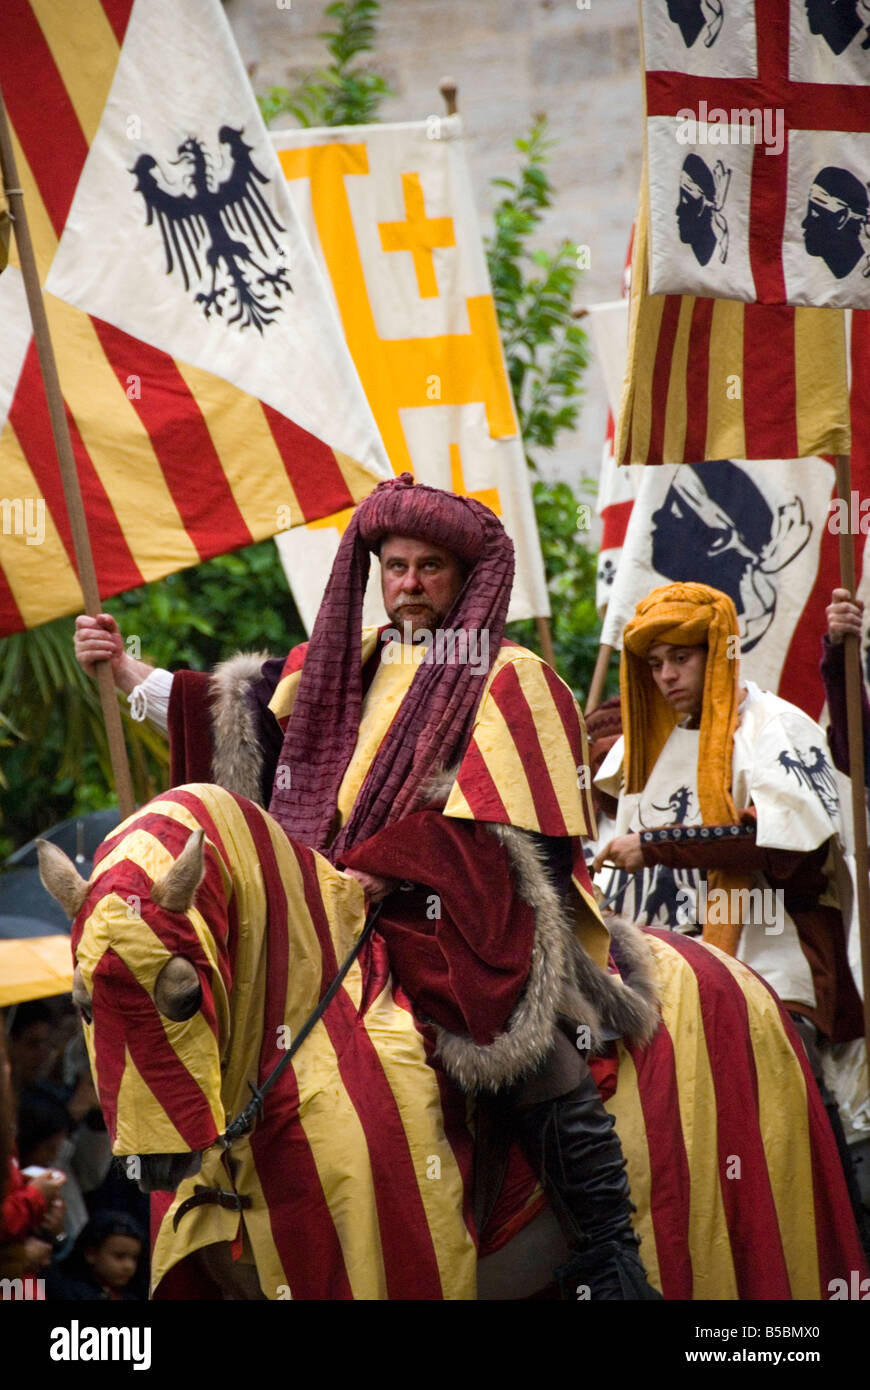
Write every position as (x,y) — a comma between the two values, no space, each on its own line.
(815,774)
(207,223)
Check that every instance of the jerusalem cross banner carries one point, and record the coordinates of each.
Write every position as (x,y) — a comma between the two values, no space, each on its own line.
(758,142)
(389,210)
(211,397)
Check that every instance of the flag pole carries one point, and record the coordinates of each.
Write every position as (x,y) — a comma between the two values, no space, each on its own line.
(66,460)
(448,89)
(599,676)
(854,731)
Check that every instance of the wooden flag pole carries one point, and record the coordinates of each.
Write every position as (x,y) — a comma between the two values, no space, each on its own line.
(854,731)
(448,89)
(545,638)
(599,676)
(66,460)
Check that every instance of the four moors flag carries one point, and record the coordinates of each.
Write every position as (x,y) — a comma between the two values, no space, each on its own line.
(390,213)
(758,136)
(210,395)
(759,532)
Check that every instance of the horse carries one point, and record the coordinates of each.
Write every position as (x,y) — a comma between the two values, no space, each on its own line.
(203,942)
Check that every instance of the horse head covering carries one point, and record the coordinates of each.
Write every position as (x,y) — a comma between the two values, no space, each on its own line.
(684,615)
(435,719)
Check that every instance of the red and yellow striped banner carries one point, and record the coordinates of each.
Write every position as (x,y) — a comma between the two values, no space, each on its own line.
(716,378)
(176,464)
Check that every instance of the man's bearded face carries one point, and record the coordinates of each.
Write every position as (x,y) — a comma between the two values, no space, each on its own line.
(679,674)
(420,582)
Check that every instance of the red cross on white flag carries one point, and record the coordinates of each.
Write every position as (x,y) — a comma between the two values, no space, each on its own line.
(758,144)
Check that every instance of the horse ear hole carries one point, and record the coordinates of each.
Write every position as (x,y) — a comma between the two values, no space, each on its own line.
(178,992)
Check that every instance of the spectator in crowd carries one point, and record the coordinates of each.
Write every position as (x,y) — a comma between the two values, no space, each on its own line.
(32,1043)
(104,1263)
(32,1209)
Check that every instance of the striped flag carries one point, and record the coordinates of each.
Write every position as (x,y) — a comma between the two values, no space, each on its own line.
(764,532)
(211,399)
(715,379)
(389,210)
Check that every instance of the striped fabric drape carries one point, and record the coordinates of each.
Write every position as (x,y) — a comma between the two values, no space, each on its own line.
(731,1160)
(359,1174)
(716,378)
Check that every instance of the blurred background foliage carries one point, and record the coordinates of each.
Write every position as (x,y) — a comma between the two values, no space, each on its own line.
(345,92)
(53,756)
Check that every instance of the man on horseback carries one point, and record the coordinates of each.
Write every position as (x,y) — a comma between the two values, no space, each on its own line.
(444,768)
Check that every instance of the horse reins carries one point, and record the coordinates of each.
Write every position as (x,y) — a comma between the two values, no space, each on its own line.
(247,1118)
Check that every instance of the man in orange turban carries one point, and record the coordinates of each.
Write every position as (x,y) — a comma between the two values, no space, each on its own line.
(730,791)
(728,820)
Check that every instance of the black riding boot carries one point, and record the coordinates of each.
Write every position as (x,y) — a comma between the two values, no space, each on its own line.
(571,1144)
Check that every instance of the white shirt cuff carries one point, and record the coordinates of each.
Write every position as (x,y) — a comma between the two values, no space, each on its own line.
(150,699)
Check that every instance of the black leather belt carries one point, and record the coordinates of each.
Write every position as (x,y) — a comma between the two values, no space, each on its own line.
(211,1196)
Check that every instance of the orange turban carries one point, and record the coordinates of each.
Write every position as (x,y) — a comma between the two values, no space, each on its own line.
(686,615)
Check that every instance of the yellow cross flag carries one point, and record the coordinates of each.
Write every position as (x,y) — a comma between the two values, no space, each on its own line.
(389,211)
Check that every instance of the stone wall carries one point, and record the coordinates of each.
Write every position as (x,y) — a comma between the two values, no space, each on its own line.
(511,59)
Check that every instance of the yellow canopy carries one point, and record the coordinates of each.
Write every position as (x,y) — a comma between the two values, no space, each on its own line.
(34,967)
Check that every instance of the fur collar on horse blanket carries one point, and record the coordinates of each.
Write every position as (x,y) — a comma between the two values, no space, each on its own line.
(355,1183)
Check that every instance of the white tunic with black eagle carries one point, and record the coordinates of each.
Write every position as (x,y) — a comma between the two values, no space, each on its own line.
(782,768)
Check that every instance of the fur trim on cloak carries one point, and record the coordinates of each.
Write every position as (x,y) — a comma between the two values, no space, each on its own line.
(563,981)
(237,761)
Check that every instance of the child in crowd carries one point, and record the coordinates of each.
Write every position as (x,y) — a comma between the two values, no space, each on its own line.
(32,1209)
(103,1263)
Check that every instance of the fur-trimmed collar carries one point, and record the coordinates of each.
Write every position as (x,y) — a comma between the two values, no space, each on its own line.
(237,762)
(563,981)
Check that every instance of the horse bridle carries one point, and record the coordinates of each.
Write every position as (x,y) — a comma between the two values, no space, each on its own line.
(246,1119)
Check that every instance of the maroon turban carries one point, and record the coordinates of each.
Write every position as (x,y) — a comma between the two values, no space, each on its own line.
(434,721)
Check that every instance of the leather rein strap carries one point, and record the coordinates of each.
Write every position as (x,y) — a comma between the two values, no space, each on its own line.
(213,1197)
(247,1118)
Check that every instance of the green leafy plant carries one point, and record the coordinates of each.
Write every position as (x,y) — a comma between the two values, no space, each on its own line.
(55,755)
(546,353)
(545,348)
(343,93)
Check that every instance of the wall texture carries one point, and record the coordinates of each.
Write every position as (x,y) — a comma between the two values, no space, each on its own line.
(511,59)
